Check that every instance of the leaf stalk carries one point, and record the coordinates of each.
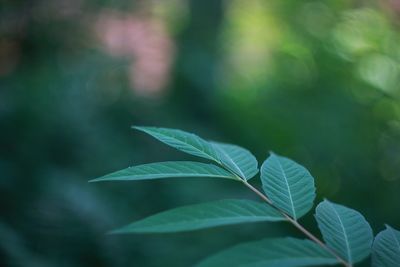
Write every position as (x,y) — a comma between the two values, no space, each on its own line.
(297,224)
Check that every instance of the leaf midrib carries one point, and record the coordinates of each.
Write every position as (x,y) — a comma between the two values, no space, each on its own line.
(233,162)
(344,233)
(288,188)
(172,175)
(196,148)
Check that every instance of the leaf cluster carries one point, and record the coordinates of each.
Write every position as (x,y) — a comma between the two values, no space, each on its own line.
(289,194)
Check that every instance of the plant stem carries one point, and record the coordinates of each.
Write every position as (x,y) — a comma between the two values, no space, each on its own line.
(297,225)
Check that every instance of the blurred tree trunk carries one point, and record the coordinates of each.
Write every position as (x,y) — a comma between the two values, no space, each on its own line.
(194,80)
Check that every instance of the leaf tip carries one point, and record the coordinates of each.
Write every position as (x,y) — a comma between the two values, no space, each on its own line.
(388,227)
(272,155)
(94,180)
(323,202)
(139,128)
(114,232)
(122,230)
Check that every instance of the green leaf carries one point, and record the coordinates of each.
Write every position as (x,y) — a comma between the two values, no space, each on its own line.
(204,215)
(234,158)
(386,248)
(272,252)
(183,141)
(289,185)
(345,231)
(237,159)
(167,170)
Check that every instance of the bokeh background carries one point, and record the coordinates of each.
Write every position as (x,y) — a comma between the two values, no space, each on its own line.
(317,81)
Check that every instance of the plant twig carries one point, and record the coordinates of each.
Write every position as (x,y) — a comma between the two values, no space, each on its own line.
(297,225)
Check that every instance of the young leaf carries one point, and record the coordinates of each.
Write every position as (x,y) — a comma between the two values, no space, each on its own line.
(167,170)
(289,185)
(183,141)
(237,159)
(344,230)
(204,215)
(288,252)
(386,248)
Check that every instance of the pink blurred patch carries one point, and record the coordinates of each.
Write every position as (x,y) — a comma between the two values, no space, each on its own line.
(145,41)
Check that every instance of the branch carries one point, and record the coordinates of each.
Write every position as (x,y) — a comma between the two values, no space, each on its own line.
(296,224)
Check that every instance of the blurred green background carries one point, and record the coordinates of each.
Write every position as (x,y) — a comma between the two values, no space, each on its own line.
(317,81)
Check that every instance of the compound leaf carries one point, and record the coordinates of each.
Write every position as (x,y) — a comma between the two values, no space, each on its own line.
(386,248)
(288,184)
(167,170)
(288,252)
(204,215)
(345,231)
